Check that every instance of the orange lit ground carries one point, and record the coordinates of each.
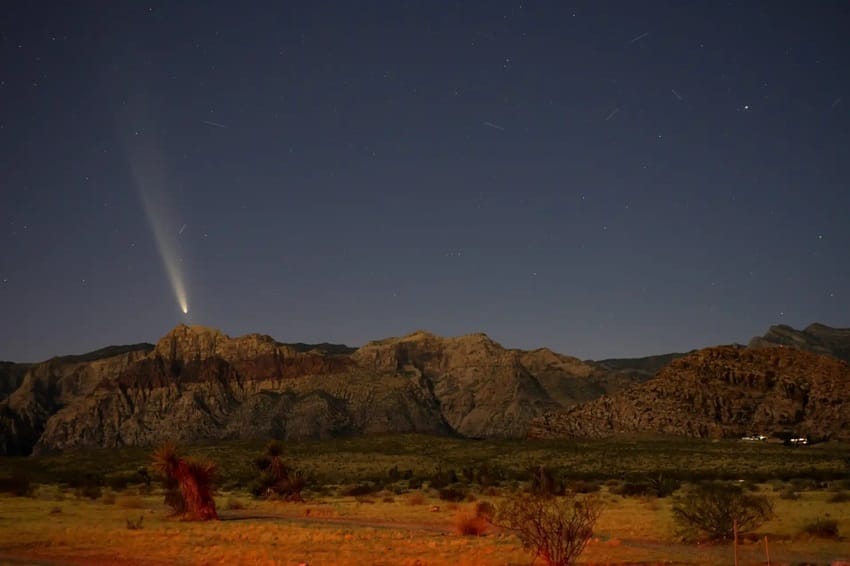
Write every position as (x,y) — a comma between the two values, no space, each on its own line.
(57,528)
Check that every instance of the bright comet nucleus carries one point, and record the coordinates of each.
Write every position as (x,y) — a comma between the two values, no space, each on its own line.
(148,169)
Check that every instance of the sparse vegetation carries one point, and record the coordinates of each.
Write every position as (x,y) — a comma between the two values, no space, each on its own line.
(473,520)
(821,528)
(17,484)
(192,477)
(452,494)
(713,510)
(631,530)
(556,529)
(839,497)
(277,479)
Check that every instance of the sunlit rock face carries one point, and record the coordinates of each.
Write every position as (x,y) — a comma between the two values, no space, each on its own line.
(727,391)
(198,384)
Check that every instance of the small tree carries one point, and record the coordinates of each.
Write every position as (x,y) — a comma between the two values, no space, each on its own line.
(276,478)
(188,481)
(712,510)
(554,528)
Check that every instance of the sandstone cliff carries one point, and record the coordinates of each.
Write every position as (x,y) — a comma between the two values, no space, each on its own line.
(49,386)
(198,384)
(726,391)
(483,389)
(817,338)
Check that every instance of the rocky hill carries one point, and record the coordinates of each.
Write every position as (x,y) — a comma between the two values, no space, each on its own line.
(817,338)
(11,376)
(198,384)
(727,391)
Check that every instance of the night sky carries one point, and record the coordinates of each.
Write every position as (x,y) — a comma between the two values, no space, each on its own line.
(603,178)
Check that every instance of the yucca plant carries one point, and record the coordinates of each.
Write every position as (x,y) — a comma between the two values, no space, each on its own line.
(190,482)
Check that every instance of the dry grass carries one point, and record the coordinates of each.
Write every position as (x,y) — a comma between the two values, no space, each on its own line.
(130,502)
(470,521)
(338,530)
(416,498)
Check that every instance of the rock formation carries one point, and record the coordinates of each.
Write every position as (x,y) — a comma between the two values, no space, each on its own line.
(727,391)
(198,384)
(817,338)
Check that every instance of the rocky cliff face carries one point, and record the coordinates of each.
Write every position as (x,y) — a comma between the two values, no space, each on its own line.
(52,385)
(721,392)
(11,376)
(816,338)
(198,384)
(483,389)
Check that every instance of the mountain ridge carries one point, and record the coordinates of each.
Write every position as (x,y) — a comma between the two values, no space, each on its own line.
(199,384)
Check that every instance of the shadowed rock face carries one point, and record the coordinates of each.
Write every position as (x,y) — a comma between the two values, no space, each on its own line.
(816,338)
(726,391)
(49,386)
(11,377)
(198,384)
(483,390)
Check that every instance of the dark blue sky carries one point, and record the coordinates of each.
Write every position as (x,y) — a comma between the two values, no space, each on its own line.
(604,178)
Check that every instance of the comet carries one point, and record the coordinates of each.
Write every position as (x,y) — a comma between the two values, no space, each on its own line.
(148,171)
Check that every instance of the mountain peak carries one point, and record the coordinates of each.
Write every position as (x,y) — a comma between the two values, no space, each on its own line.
(187,343)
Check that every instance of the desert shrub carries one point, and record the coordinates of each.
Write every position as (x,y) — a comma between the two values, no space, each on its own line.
(394,474)
(192,496)
(485,509)
(663,486)
(805,484)
(789,493)
(632,489)
(839,497)
(452,494)
(483,475)
(582,486)
(277,479)
(361,489)
(135,525)
(544,481)
(470,522)
(17,484)
(442,478)
(821,528)
(416,498)
(89,491)
(555,529)
(711,510)
(414,483)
